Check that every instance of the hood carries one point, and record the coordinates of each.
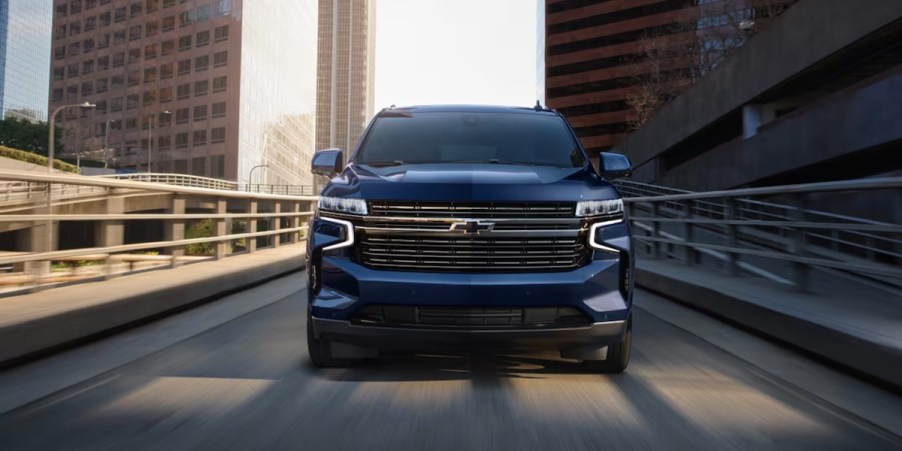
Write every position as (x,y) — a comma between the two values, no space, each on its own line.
(456,182)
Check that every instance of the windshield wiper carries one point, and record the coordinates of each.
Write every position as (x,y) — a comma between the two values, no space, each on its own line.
(383,164)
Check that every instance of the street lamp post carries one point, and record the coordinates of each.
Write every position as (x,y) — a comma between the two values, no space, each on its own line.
(51,148)
(150,138)
(250,176)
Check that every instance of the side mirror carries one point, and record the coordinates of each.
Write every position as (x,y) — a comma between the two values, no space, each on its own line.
(615,166)
(328,162)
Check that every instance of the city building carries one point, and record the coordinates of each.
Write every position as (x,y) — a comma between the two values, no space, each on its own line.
(609,65)
(794,105)
(202,87)
(345,89)
(25,27)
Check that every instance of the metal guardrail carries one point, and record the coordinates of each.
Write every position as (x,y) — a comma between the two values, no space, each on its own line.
(283,216)
(733,226)
(211,183)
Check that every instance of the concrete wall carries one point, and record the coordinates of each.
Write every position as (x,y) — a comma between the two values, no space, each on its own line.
(806,34)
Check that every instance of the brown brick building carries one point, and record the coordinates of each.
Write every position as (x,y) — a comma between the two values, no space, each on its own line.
(191,86)
(597,53)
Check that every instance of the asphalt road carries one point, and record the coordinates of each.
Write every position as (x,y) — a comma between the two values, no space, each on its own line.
(246,384)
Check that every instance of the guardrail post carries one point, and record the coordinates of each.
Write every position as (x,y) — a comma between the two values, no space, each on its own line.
(656,229)
(797,243)
(731,237)
(294,222)
(221,209)
(174,229)
(252,225)
(277,223)
(688,232)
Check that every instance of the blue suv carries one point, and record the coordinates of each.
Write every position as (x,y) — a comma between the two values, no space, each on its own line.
(460,226)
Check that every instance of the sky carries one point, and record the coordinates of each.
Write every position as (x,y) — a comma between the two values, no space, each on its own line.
(455,51)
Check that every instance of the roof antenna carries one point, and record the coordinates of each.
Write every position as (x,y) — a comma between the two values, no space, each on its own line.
(538,106)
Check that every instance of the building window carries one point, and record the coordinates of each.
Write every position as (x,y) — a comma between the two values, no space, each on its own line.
(183,91)
(134,33)
(200,113)
(118,59)
(75,28)
(87,88)
(223,7)
(57,94)
(118,37)
(201,88)
(151,29)
(134,56)
(217,166)
(204,12)
(200,137)
(164,119)
(120,14)
(203,38)
(87,67)
(152,5)
(90,23)
(131,123)
(118,81)
(185,43)
(104,41)
(134,78)
(150,51)
(75,7)
(219,83)
(101,85)
(168,23)
(166,95)
(150,75)
(88,45)
(135,9)
(167,47)
(221,33)
(60,32)
(166,71)
(90,4)
(201,63)
(103,63)
(116,104)
(184,67)
(217,135)
(131,102)
(59,73)
(181,140)
(199,166)
(74,49)
(105,19)
(59,52)
(150,97)
(164,142)
(72,92)
(182,115)
(186,18)
(168,3)
(73,70)
(219,109)
(62,10)
(220,58)
(101,107)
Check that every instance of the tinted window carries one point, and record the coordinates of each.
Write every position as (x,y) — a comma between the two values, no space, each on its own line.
(446,137)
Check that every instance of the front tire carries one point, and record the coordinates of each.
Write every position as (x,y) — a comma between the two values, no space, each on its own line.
(320,351)
(618,355)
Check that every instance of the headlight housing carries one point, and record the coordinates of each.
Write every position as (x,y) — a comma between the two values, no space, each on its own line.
(343,205)
(606,207)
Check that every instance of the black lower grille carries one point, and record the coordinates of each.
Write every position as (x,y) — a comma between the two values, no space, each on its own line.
(470,317)
(472,254)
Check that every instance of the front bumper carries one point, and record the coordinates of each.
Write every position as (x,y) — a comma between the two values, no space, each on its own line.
(421,339)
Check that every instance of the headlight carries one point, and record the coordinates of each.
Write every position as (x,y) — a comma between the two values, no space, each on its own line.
(599,207)
(342,205)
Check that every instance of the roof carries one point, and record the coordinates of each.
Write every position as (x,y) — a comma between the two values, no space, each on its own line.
(471,109)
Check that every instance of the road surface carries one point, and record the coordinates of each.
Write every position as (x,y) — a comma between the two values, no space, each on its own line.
(246,384)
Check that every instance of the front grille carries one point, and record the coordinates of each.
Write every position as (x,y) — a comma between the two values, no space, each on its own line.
(472,210)
(472,254)
(470,317)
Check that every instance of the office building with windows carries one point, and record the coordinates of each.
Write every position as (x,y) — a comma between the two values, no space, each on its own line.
(609,64)
(25,27)
(346,71)
(202,87)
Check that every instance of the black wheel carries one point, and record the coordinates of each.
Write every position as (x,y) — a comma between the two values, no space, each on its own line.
(320,351)
(618,355)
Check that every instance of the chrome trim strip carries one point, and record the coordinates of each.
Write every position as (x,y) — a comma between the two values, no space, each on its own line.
(443,232)
(593,230)
(462,219)
(347,225)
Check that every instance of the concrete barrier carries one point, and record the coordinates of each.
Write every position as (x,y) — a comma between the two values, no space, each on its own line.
(37,324)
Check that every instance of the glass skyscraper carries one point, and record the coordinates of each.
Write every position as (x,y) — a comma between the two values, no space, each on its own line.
(202,87)
(25,27)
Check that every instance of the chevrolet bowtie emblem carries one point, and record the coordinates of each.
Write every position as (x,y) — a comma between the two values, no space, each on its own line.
(472,227)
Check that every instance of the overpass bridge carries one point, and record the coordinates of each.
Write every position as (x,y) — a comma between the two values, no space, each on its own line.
(760,324)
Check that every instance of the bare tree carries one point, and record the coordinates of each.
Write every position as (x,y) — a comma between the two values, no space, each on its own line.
(672,59)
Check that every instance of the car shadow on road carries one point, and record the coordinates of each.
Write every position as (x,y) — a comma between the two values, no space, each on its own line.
(480,367)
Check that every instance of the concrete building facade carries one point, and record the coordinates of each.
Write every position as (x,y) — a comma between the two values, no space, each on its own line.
(189,86)
(25,28)
(346,71)
(596,53)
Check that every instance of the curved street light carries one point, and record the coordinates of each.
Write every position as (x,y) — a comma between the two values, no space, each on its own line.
(250,176)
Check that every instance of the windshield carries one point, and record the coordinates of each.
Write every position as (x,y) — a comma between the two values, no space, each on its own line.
(461,137)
